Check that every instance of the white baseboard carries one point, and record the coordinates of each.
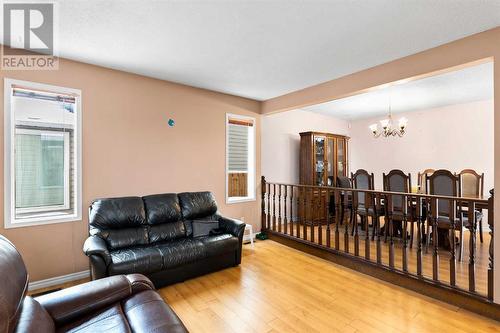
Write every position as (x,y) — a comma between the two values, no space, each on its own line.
(58,280)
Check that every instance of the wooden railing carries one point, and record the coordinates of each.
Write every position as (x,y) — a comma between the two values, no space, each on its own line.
(333,219)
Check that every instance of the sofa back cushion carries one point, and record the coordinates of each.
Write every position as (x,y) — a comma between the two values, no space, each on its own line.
(122,238)
(117,213)
(166,232)
(195,205)
(162,208)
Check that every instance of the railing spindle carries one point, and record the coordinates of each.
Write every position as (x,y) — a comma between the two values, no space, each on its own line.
(491,201)
(338,217)
(291,210)
(390,230)
(274,207)
(268,217)
(318,218)
(312,214)
(419,219)
(405,232)
(435,252)
(285,210)
(279,209)
(304,229)
(346,229)
(299,212)
(451,236)
(356,230)
(328,244)
(472,245)
(378,205)
(367,226)
(263,202)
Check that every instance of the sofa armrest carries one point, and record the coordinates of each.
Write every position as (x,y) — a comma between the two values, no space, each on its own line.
(139,283)
(95,245)
(68,304)
(232,226)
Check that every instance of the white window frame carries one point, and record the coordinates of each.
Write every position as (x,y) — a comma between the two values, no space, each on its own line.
(46,216)
(252,173)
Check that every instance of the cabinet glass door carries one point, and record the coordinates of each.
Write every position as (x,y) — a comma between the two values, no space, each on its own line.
(341,157)
(319,160)
(330,162)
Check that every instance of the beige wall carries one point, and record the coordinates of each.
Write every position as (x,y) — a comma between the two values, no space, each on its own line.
(281,141)
(128,149)
(453,137)
(477,48)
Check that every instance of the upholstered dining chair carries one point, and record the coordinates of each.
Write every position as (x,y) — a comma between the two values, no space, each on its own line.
(444,182)
(363,204)
(400,208)
(422,180)
(472,186)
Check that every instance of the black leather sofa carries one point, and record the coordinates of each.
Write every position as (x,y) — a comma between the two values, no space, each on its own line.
(153,235)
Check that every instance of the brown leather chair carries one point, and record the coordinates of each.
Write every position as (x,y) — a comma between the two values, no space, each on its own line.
(121,303)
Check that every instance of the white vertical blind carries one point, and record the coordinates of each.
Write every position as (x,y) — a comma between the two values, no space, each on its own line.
(238,147)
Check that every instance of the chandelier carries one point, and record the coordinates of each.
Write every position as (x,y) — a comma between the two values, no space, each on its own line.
(388,129)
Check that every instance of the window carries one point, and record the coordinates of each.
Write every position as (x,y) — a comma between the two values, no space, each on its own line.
(42,154)
(240,158)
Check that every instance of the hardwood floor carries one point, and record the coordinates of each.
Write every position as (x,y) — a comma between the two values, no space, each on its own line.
(279,289)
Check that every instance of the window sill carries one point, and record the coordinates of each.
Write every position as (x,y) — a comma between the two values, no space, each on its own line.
(239,200)
(37,221)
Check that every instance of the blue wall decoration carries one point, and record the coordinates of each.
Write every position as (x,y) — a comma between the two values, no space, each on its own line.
(171,122)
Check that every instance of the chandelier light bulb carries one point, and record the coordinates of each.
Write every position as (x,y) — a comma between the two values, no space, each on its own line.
(403,122)
(385,123)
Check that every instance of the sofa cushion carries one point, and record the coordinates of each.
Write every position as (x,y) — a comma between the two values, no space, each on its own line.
(135,260)
(180,252)
(115,213)
(162,208)
(220,244)
(166,232)
(147,312)
(197,204)
(110,319)
(121,238)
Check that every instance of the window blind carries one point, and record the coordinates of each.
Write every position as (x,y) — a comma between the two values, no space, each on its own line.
(238,147)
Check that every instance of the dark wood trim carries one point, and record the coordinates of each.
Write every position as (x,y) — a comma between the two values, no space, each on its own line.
(240,122)
(421,285)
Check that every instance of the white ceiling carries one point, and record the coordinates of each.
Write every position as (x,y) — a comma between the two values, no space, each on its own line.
(462,86)
(261,49)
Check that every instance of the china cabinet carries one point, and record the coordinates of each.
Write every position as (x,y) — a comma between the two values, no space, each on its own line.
(323,157)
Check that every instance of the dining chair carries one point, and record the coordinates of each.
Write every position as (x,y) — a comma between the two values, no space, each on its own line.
(363,204)
(444,182)
(422,180)
(400,208)
(472,186)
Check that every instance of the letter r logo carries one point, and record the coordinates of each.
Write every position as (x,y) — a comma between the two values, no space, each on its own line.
(29,26)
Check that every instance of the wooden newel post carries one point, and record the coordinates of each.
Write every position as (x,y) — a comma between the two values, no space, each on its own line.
(491,215)
(263,218)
